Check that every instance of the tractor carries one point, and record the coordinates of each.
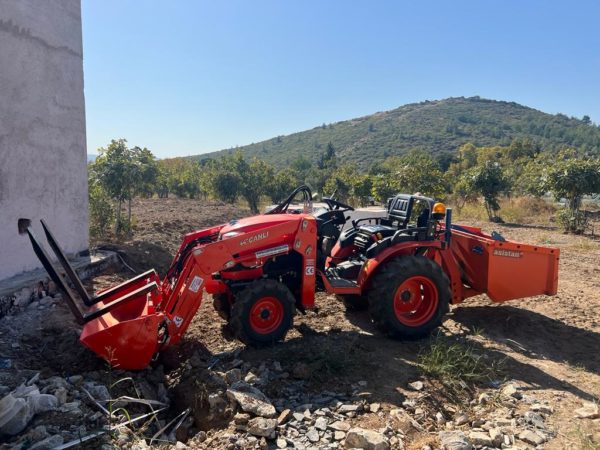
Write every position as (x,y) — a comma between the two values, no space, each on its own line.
(407,268)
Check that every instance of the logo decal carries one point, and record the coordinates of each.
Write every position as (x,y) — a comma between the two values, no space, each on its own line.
(178,321)
(256,237)
(310,270)
(508,253)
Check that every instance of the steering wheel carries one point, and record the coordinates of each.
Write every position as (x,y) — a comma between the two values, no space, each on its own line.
(334,204)
(306,196)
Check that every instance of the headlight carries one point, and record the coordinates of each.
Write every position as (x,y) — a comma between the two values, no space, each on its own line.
(230,234)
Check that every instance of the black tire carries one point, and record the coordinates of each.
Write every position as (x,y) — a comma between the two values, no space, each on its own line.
(250,324)
(222,305)
(415,274)
(354,302)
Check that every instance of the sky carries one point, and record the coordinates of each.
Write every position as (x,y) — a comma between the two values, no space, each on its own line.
(187,77)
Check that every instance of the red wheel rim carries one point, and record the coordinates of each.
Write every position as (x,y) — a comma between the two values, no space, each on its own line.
(415,301)
(266,315)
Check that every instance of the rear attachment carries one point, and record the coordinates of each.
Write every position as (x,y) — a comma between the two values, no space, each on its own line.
(502,269)
(120,324)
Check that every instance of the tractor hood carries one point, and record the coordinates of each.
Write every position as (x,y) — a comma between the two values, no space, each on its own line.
(254,223)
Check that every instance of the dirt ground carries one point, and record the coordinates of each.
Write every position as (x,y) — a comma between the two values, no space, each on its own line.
(550,346)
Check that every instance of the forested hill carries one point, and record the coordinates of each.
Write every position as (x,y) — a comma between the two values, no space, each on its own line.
(438,127)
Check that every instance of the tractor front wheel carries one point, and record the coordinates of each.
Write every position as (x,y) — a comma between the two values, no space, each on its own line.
(409,297)
(262,313)
(222,305)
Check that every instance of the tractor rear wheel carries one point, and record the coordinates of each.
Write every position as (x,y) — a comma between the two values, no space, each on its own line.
(262,313)
(409,297)
(354,302)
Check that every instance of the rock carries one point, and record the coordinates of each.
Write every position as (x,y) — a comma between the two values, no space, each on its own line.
(510,390)
(61,395)
(15,414)
(321,423)
(251,399)
(233,376)
(48,443)
(75,379)
(299,417)
(43,402)
(98,391)
(250,378)
(439,418)
(284,416)
(461,419)
(348,408)
(281,443)
(241,418)
(259,426)
(531,437)
(454,440)
(480,438)
(37,434)
(416,385)
(588,411)
(538,407)
(366,439)
(496,436)
(301,371)
(339,435)
(312,435)
(339,426)
(534,419)
(180,445)
(484,398)
(374,407)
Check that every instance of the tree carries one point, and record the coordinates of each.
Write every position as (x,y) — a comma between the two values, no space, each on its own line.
(418,172)
(226,185)
(488,180)
(572,177)
(282,184)
(148,171)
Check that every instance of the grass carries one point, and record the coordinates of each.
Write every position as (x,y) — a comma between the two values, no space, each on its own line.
(457,365)
(520,210)
(585,440)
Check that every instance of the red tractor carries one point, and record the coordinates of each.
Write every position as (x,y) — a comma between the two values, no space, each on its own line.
(407,268)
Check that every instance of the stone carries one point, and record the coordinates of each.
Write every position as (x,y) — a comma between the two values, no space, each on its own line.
(510,390)
(259,426)
(484,398)
(75,379)
(42,402)
(348,408)
(281,443)
(312,435)
(439,418)
(531,437)
(251,399)
(374,407)
(366,439)
(241,418)
(480,438)
(284,416)
(15,414)
(461,419)
(61,395)
(48,443)
(299,417)
(321,423)
(233,376)
(339,435)
(534,419)
(587,411)
(454,440)
(544,409)
(416,385)
(339,426)
(180,446)
(496,436)
(250,378)
(98,391)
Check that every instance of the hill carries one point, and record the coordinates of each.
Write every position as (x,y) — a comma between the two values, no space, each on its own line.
(439,127)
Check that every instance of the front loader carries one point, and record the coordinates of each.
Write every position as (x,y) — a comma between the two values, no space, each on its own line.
(407,268)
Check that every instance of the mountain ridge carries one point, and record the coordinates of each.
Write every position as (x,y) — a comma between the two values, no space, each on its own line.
(436,126)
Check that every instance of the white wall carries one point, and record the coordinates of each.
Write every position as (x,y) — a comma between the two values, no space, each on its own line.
(42,127)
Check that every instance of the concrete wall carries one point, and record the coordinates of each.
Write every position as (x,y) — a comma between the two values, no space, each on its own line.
(42,127)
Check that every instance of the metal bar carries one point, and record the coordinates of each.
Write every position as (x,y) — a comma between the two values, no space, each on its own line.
(45,260)
(448,226)
(67,266)
(118,287)
(112,305)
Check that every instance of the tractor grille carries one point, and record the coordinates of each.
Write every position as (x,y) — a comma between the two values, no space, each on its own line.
(363,240)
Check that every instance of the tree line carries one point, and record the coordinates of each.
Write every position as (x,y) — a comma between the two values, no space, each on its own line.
(121,173)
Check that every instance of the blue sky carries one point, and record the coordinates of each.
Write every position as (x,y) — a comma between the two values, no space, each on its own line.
(186,77)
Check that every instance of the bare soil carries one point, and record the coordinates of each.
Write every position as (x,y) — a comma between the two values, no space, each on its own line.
(550,345)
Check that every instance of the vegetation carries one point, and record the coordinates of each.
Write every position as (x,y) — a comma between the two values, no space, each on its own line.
(468,177)
(437,127)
